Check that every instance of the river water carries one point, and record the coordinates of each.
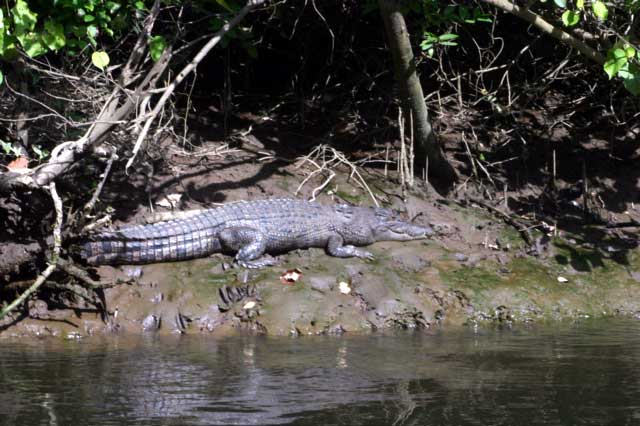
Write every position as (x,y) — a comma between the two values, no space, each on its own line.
(566,374)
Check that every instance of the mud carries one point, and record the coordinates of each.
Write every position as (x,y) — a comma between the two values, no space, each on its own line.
(474,271)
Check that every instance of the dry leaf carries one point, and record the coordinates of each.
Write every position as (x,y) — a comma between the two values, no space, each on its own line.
(291,276)
(170,201)
(344,287)
(249,305)
(18,164)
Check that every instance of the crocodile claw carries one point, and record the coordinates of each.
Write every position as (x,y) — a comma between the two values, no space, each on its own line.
(256,264)
(363,254)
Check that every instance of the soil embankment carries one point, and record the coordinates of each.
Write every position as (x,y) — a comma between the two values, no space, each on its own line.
(475,270)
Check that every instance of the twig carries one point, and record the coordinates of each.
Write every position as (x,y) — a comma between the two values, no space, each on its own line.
(55,257)
(523,230)
(337,158)
(84,277)
(94,199)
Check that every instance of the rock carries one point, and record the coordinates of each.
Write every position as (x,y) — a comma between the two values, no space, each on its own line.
(151,323)
(323,284)
(388,308)
(180,322)
(337,329)
(410,262)
(460,257)
(212,319)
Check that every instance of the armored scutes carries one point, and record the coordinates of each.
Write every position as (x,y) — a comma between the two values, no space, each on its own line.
(249,229)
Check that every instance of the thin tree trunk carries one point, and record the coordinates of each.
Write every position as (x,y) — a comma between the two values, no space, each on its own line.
(412,98)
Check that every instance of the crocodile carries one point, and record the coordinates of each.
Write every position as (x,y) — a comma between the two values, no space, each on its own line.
(250,229)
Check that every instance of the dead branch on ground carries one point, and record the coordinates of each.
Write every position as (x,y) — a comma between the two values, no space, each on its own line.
(325,158)
(523,230)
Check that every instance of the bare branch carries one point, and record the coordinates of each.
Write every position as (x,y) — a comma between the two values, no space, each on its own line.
(543,25)
(188,69)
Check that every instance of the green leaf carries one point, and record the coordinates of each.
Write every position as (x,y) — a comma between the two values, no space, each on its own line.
(112,6)
(100,59)
(630,51)
(570,18)
(89,18)
(157,45)
(1,32)
(561,3)
(616,60)
(631,78)
(92,31)
(580,4)
(54,37)
(32,44)
(139,5)
(8,49)
(23,17)
(600,10)
(447,37)
(1,77)
(40,153)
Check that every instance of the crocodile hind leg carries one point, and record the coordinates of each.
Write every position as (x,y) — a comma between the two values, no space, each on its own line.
(336,247)
(250,245)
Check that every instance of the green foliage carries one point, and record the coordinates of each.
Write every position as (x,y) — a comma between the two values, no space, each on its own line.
(9,149)
(157,45)
(40,26)
(621,59)
(41,154)
(430,41)
(570,18)
(600,10)
(445,18)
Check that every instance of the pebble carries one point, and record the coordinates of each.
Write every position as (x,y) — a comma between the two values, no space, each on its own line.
(151,323)
(461,257)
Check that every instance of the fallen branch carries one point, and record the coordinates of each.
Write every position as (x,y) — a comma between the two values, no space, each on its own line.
(83,277)
(337,158)
(523,230)
(55,257)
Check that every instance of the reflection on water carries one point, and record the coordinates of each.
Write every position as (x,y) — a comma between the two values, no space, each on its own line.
(583,374)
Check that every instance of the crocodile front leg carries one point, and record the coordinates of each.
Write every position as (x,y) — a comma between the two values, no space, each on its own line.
(336,247)
(250,244)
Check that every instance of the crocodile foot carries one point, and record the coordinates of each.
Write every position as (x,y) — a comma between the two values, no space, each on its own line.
(259,263)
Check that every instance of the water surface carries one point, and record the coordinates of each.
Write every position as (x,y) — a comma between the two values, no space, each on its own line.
(567,374)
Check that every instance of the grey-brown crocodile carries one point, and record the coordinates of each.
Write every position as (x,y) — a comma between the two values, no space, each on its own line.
(249,229)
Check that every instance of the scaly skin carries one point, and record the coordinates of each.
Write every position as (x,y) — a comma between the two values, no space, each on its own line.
(250,229)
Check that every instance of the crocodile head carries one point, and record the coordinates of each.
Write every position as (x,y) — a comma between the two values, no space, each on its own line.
(389,226)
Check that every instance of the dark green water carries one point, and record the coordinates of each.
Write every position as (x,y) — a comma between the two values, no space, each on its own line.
(580,374)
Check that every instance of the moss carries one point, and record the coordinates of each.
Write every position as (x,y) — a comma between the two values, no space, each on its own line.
(350,197)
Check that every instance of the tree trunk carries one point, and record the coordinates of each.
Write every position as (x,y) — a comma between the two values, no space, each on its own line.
(411,95)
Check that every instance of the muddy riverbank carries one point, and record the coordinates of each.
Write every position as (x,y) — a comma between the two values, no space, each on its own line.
(476,270)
